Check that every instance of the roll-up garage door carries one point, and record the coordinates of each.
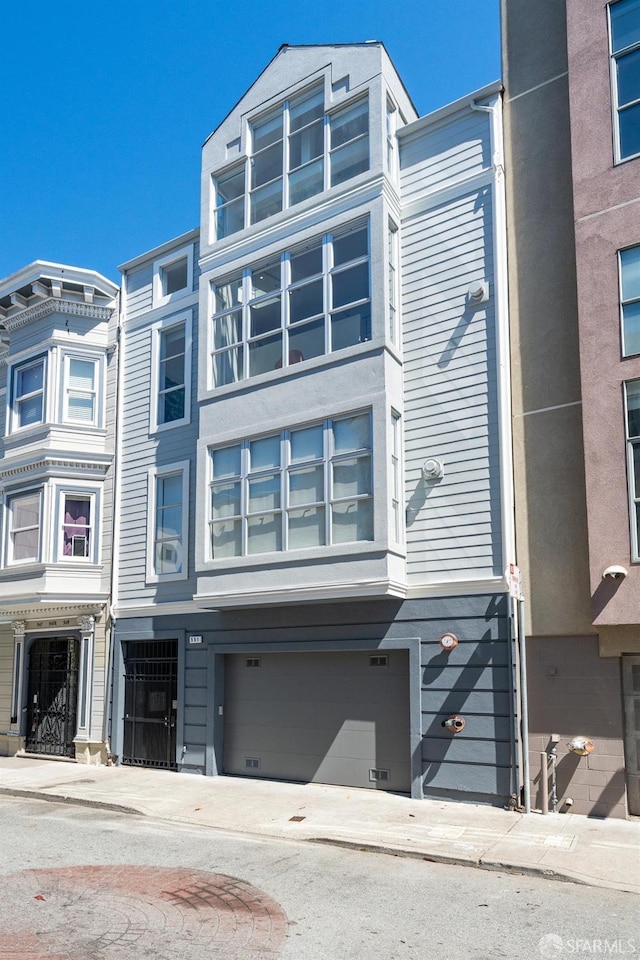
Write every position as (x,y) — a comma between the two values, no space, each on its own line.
(340,718)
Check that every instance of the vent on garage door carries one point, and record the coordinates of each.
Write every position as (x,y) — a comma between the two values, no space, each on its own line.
(252,763)
(252,662)
(377,775)
(379,660)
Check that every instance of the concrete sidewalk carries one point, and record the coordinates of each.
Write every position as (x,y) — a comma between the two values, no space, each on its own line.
(562,846)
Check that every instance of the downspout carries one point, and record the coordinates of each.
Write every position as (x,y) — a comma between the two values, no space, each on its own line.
(501,299)
(115,523)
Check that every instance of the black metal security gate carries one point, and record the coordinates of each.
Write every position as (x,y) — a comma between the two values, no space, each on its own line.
(150,701)
(52,696)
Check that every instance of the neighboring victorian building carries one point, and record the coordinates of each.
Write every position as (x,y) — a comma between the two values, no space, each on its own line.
(58,327)
(315,484)
(572,122)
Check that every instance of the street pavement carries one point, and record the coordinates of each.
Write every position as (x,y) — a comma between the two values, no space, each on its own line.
(603,853)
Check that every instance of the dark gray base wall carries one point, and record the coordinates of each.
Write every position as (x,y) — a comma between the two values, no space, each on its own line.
(474,680)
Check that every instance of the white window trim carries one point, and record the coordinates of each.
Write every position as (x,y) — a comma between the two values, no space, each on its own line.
(8,526)
(394,325)
(326,241)
(155,473)
(157,330)
(159,298)
(634,495)
(330,110)
(396,481)
(615,112)
(45,357)
(329,457)
(93,493)
(99,360)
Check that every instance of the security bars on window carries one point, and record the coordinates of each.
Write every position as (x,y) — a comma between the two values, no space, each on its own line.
(297,489)
(302,304)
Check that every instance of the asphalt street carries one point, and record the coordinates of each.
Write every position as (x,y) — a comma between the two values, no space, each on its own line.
(82,884)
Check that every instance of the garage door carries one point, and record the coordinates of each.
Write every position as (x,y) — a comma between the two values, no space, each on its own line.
(339,718)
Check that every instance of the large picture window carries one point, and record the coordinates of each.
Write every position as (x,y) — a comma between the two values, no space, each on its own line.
(302,304)
(302,488)
(625,65)
(296,152)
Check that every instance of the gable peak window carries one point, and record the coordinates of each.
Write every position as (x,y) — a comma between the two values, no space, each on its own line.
(296,151)
(624,20)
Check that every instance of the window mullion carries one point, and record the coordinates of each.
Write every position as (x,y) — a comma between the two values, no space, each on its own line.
(327,259)
(328,479)
(285,155)
(284,487)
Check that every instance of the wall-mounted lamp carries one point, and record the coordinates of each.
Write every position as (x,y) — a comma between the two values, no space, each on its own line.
(432,469)
(478,292)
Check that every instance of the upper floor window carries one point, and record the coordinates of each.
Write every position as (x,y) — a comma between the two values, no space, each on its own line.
(632,401)
(28,393)
(393,254)
(24,515)
(80,390)
(302,304)
(308,487)
(172,360)
(625,63)
(396,478)
(630,300)
(392,143)
(76,527)
(296,152)
(168,496)
(172,276)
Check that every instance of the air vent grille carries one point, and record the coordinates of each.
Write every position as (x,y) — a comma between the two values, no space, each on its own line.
(252,763)
(378,775)
(379,660)
(252,662)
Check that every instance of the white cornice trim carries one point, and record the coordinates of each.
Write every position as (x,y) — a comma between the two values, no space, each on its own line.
(310,593)
(249,241)
(37,609)
(127,609)
(47,464)
(457,588)
(43,308)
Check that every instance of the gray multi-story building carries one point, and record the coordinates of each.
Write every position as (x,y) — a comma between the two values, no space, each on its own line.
(315,487)
(572,124)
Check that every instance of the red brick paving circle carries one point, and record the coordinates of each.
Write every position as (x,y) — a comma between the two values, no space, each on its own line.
(122,912)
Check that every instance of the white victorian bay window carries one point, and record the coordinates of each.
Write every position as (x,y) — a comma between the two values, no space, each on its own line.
(304,303)
(302,488)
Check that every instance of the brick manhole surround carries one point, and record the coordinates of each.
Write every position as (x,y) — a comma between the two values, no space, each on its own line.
(122,912)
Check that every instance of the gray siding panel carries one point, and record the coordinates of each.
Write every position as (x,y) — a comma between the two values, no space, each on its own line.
(450,368)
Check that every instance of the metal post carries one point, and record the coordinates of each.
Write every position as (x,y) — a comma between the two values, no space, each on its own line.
(524,707)
(544,783)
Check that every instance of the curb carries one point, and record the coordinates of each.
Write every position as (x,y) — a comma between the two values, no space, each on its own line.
(479,862)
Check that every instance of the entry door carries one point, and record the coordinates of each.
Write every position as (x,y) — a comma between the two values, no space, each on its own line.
(52,696)
(150,701)
(631,690)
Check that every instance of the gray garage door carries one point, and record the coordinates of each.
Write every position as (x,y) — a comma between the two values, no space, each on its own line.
(338,718)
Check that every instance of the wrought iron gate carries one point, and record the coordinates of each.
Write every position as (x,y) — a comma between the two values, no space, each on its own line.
(52,696)
(150,692)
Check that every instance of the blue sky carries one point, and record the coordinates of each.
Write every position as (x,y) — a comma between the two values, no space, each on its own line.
(105,104)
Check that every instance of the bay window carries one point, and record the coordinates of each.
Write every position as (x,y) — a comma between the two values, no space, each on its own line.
(304,303)
(80,382)
(76,527)
(300,488)
(296,151)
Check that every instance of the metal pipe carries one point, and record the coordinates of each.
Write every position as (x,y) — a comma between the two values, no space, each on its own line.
(553,757)
(524,708)
(544,783)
